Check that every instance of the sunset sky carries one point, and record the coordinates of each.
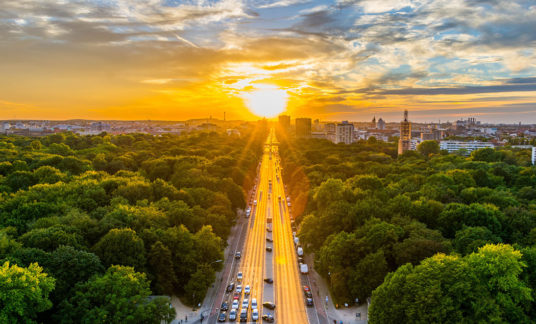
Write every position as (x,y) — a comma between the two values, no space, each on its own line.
(333,60)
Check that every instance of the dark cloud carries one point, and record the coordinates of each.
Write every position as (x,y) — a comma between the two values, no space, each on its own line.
(522,80)
(460,90)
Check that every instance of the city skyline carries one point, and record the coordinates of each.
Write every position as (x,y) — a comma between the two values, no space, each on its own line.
(331,60)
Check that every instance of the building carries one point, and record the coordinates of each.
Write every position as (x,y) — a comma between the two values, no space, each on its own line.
(380,124)
(284,122)
(344,133)
(319,135)
(404,143)
(533,155)
(330,130)
(303,127)
(467,147)
(433,135)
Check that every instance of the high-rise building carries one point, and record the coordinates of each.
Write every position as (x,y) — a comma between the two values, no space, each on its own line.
(533,155)
(404,143)
(303,127)
(284,122)
(344,133)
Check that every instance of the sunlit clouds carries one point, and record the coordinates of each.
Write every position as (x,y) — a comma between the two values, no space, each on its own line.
(338,59)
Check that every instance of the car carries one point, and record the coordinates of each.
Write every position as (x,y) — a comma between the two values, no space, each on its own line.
(306,288)
(268,280)
(309,302)
(224,306)
(232,315)
(255,202)
(269,305)
(235,304)
(247,290)
(238,255)
(245,303)
(308,294)
(222,317)
(254,303)
(236,296)
(238,288)
(268,239)
(268,318)
(239,276)
(269,248)
(230,287)
(300,259)
(244,315)
(279,196)
(269,229)
(255,315)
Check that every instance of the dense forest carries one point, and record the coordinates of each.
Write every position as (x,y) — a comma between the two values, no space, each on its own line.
(431,237)
(91,226)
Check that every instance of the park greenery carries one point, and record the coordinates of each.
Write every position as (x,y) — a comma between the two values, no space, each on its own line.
(431,237)
(93,227)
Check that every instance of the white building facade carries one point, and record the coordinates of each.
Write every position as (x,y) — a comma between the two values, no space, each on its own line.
(453,146)
(344,133)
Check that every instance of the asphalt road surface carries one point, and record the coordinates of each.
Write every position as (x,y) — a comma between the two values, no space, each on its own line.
(269,226)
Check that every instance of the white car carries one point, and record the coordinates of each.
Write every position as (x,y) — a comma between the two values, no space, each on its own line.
(238,288)
(235,304)
(245,303)
(239,276)
(254,202)
(232,315)
(247,290)
(255,315)
(254,303)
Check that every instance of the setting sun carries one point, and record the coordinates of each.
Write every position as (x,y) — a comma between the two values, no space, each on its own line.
(266,100)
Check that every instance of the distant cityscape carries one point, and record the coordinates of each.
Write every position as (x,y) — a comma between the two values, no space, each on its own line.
(462,136)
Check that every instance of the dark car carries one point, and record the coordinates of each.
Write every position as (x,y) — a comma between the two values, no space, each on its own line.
(269,305)
(268,318)
(224,306)
(300,260)
(269,248)
(230,288)
(244,315)
(307,291)
(222,317)
(309,302)
(237,255)
(268,280)
(269,239)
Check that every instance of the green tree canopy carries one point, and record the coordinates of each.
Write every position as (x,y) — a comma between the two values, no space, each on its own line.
(23,293)
(118,296)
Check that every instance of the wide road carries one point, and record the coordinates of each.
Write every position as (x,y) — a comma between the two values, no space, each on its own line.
(268,226)
(289,293)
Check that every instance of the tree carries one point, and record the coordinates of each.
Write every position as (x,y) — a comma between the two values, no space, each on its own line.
(196,288)
(122,247)
(428,147)
(118,296)
(51,238)
(23,293)
(367,275)
(469,239)
(161,264)
(70,266)
(483,287)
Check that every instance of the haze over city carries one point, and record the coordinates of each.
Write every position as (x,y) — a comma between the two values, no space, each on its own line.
(332,60)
